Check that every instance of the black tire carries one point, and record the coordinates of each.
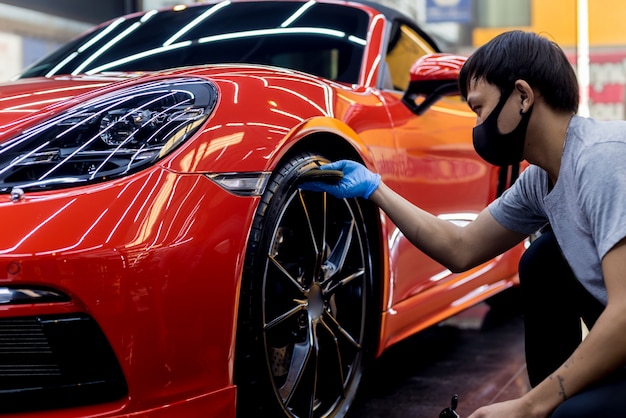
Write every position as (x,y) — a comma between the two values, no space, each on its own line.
(307,322)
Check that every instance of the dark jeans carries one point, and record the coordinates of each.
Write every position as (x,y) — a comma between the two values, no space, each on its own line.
(553,304)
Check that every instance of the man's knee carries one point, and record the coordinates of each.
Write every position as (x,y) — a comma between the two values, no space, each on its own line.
(542,256)
(543,267)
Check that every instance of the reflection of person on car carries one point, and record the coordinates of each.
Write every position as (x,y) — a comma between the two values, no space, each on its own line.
(525,95)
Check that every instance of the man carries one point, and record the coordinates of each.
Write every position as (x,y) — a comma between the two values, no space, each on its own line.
(525,96)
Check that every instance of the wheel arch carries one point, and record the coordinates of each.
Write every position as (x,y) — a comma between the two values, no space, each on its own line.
(328,135)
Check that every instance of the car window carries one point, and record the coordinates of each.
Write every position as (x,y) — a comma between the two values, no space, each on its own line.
(405,47)
(323,39)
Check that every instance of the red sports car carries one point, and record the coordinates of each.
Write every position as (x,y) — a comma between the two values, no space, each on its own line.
(158,258)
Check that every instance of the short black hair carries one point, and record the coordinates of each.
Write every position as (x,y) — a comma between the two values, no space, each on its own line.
(516,55)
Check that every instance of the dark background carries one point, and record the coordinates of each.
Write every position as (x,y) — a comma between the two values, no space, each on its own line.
(85,11)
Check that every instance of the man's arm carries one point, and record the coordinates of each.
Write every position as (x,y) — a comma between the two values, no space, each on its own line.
(457,248)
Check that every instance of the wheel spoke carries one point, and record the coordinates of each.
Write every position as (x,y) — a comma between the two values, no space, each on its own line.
(338,255)
(338,351)
(299,359)
(283,270)
(304,357)
(340,330)
(285,316)
(312,391)
(331,286)
(309,221)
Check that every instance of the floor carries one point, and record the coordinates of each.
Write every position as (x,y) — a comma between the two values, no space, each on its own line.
(477,355)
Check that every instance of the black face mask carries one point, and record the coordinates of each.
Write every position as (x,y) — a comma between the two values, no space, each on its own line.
(497,148)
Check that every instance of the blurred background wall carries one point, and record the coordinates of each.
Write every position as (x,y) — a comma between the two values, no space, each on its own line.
(30,29)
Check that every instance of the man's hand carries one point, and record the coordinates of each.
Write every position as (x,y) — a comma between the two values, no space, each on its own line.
(357,181)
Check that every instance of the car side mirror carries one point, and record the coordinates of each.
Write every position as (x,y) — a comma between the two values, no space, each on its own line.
(432,77)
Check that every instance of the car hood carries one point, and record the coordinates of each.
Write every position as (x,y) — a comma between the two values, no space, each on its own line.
(24,102)
(259,110)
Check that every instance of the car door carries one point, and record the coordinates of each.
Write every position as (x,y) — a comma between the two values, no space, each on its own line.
(436,165)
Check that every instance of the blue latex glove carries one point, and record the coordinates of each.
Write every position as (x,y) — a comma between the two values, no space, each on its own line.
(357,181)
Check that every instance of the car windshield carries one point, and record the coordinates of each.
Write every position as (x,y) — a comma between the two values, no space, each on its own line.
(327,40)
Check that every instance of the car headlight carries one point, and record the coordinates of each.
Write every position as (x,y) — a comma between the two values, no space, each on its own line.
(107,137)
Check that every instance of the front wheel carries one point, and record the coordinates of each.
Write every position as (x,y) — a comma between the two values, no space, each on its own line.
(306,318)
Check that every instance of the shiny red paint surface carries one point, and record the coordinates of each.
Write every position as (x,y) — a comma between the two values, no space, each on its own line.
(156,257)
(160,279)
(437,66)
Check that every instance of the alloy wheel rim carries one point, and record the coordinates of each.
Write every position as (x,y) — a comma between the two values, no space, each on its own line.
(314,301)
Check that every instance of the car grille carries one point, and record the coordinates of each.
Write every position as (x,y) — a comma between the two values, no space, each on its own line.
(56,361)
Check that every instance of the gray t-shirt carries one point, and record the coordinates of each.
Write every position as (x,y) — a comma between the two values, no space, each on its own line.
(587,206)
